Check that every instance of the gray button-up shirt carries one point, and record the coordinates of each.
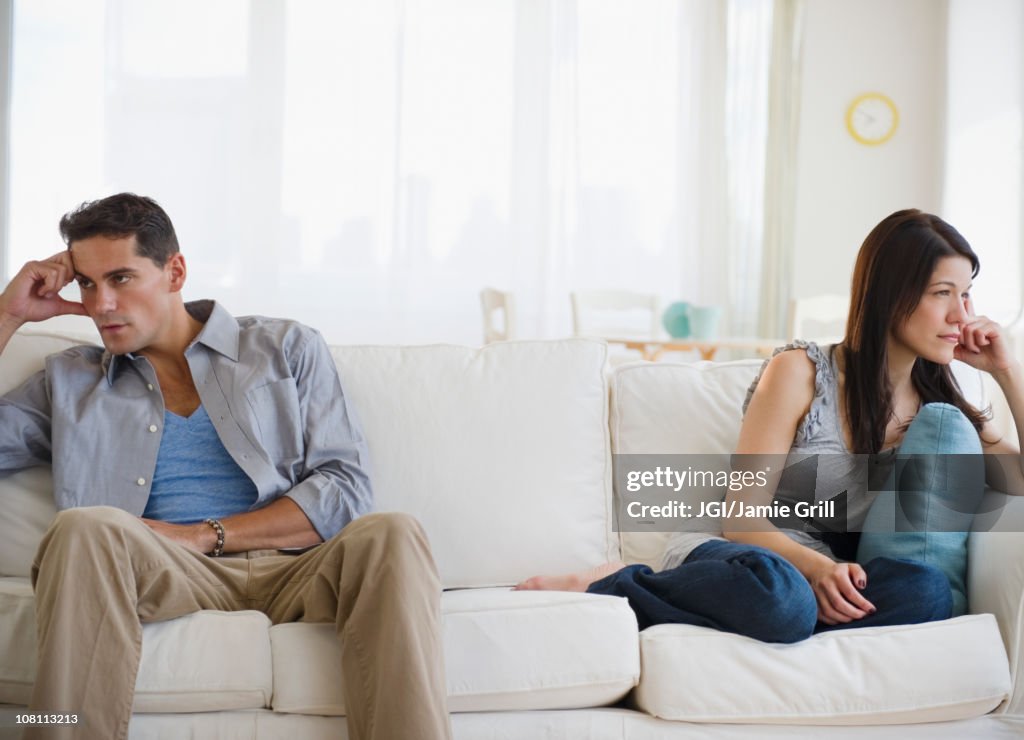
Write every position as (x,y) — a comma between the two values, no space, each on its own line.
(270,387)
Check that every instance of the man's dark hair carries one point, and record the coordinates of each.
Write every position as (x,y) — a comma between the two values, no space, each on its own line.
(124,214)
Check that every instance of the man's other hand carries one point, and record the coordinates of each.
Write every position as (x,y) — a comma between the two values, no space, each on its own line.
(199,537)
(32,295)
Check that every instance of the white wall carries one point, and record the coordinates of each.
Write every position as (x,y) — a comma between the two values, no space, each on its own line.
(984,178)
(844,188)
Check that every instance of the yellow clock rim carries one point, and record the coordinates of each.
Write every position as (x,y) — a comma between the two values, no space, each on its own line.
(872,96)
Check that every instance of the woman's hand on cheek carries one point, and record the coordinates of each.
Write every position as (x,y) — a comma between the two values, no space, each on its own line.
(983,346)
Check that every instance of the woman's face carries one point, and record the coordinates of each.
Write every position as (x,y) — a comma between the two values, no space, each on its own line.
(933,330)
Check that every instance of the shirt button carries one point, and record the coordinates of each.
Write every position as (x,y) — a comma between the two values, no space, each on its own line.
(141,481)
(152,427)
(149,386)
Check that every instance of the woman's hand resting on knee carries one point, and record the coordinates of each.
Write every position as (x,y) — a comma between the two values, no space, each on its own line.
(837,588)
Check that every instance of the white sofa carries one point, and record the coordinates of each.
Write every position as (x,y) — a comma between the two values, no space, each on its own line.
(505,454)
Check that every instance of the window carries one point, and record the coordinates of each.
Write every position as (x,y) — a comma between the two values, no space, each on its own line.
(368,167)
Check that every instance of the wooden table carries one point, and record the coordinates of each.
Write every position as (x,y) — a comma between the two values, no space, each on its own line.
(652,349)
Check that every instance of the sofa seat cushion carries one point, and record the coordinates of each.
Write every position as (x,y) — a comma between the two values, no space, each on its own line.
(930,672)
(504,650)
(183,660)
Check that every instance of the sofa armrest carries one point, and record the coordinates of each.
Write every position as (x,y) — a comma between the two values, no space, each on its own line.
(995,580)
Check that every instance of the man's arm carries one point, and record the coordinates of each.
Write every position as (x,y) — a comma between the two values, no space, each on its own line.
(25,412)
(278,525)
(8,326)
(334,486)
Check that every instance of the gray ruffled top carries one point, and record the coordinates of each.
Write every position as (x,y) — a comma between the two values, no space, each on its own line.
(820,429)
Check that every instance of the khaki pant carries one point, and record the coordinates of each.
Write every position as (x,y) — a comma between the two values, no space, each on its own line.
(100,572)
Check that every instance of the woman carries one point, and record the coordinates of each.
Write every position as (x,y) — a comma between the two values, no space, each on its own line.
(886,387)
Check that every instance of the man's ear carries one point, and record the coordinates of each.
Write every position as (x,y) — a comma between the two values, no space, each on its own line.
(176,271)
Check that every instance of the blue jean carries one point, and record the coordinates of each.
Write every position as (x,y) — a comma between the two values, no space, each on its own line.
(752,591)
(937,486)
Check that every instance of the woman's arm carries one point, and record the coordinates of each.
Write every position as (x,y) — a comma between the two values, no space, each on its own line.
(782,398)
(983,346)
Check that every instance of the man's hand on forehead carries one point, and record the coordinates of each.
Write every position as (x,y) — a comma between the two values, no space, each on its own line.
(33,294)
(64,274)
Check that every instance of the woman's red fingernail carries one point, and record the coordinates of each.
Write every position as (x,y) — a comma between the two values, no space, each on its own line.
(861,584)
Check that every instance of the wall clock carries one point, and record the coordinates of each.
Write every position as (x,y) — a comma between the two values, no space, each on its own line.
(872,118)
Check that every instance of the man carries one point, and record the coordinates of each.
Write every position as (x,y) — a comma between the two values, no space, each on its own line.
(190,436)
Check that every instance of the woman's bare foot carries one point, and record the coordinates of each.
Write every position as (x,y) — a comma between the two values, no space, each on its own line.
(571,581)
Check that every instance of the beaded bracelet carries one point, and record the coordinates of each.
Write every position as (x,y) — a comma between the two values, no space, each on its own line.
(218,549)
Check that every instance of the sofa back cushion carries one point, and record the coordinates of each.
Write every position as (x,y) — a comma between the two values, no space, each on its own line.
(26,496)
(501,452)
(674,409)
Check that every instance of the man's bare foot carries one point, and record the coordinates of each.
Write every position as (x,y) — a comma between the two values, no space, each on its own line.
(571,581)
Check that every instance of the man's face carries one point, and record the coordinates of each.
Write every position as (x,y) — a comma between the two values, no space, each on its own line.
(130,299)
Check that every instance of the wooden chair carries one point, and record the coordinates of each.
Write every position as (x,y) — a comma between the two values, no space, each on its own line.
(494,303)
(820,318)
(615,313)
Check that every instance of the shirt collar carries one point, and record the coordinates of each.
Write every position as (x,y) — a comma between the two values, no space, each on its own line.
(219,333)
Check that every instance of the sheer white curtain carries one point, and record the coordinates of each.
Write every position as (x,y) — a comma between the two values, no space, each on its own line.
(777,254)
(369,167)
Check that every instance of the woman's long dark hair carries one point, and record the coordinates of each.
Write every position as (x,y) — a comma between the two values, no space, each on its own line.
(893,268)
